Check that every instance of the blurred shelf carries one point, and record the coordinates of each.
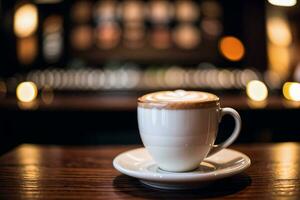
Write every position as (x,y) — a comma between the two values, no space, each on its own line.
(143,55)
(125,102)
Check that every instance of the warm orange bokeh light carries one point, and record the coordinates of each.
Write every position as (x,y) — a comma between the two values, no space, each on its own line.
(27,49)
(232,48)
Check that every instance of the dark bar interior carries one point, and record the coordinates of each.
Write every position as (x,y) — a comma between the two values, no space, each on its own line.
(72,71)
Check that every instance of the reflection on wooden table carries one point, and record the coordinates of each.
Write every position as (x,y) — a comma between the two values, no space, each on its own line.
(51,172)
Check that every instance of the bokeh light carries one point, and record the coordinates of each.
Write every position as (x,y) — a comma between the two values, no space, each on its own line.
(232,48)
(279,60)
(160,12)
(257,90)
(187,36)
(27,49)
(133,11)
(211,9)
(278,31)
(25,20)
(26,91)
(53,38)
(82,37)
(212,27)
(291,91)
(187,11)
(285,3)
(81,11)
(108,35)
(105,11)
(174,77)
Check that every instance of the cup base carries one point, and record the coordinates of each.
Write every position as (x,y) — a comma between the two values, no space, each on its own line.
(159,169)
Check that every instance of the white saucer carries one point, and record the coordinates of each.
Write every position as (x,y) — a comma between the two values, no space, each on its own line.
(139,164)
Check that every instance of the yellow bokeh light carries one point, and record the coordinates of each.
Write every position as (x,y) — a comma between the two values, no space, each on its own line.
(26,91)
(257,90)
(291,91)
(285,3)
(232,48)
(278,31)
(25,20)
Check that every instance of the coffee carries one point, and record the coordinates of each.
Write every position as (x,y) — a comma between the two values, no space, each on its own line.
(179,128)
(179,99)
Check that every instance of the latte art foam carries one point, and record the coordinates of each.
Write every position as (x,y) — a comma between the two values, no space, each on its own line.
(177,96)
(178,99)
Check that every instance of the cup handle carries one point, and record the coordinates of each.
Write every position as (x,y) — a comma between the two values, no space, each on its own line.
(235,133)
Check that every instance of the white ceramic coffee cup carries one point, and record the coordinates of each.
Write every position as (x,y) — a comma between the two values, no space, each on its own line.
(180,134)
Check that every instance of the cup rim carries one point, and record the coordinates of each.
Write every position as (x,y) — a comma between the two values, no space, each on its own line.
(146,102)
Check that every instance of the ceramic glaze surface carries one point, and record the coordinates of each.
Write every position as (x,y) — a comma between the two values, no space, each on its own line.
(139,163)
(178,140)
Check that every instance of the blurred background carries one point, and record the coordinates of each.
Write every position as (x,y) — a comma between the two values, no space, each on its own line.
(71,71)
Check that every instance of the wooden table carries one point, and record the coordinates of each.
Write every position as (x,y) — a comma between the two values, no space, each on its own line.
(53,172)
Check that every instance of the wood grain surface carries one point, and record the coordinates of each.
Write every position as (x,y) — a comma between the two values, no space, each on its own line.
(53,172)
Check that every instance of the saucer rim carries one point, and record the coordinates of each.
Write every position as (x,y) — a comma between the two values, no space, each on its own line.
(182,176)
